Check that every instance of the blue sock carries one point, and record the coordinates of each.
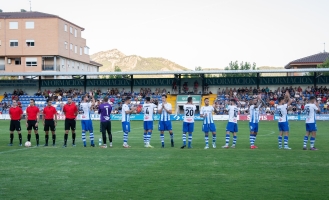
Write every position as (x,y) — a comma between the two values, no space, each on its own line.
(234,140)
(149,134)
(227,139)
(312,141)
(162,139)
(280,141)
(206,139)
(91,136)
(189,139)
(285,139)
(214,138)
(84,138)
(251,139)
(305,140)
(145,138)
(184,138)
(125,137)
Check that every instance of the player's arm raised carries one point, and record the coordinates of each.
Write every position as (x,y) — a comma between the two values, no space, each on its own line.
(317,106)
(169,111)
(131,110)
(288,99)
(160,109)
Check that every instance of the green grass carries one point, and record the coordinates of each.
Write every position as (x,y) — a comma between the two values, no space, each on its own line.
(169,173)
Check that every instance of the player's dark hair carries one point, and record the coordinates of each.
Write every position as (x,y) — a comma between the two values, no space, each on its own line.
(49,100)
(189,99)
(32,100)
(312,97)
(127,98)
(69,97)
(280,99)
(105,99)
(233,100)
(148,99)
(164,95)
(205,99)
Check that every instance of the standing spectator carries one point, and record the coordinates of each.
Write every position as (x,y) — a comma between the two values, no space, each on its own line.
(15,114)
(70,111)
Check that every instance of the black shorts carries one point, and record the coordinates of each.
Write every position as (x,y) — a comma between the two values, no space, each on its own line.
(49,123)
(70,124)
(31,124)
(15,125)
(106,126)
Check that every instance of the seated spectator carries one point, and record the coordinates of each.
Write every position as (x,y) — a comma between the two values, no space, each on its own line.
(185,88)
(5,95)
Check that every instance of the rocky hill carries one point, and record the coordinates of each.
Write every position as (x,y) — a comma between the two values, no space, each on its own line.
(110,59)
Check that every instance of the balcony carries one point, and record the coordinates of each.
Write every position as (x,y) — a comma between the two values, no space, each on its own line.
(47,67)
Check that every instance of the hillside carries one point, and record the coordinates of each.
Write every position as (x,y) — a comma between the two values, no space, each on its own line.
(110,59)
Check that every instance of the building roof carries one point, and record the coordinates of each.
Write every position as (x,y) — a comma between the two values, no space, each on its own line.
(313,59)
(52,73)
(96,63)
(33,15)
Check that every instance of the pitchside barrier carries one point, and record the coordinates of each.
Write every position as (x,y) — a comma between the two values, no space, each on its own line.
(140,117)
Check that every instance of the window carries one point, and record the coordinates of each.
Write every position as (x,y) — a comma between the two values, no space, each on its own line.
(65,27)
(17,61)
(31,62)
(87,50)
(75,49)
(65,44)
(71,46)
(75,33)
(30,43)
(13,43)
(80,51)
(29,25)
(13,25)
(71,30)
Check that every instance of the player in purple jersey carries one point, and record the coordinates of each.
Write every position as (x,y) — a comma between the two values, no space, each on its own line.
(105,111)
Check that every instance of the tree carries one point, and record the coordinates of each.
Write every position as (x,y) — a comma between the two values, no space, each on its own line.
(242,66)
(198,68)
(323,65)
(116,69)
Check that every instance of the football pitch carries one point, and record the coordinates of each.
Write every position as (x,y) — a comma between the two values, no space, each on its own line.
(170,172)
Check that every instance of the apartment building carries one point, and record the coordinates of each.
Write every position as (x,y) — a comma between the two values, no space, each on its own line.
(38,42)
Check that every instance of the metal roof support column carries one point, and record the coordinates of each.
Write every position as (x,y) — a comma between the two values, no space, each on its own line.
(314,79)
(202,83)
(85,83)
(131,83)
(39,83)
(179,83)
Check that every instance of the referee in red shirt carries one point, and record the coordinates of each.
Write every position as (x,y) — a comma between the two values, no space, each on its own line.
(70,111)
(32,120)
(15,114)
(49,113)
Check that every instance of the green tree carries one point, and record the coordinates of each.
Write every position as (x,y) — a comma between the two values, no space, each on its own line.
(242,66)
(323,65)
(116,69)
(198,68)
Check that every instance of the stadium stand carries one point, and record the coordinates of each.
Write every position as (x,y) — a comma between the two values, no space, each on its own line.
(221,99)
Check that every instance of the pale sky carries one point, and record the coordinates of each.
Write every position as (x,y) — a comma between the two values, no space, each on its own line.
(207,33)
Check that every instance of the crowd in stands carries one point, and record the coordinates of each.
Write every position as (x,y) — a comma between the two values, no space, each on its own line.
(116,97)
(244,95)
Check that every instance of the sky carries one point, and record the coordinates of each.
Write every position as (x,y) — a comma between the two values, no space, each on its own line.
(191,33)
